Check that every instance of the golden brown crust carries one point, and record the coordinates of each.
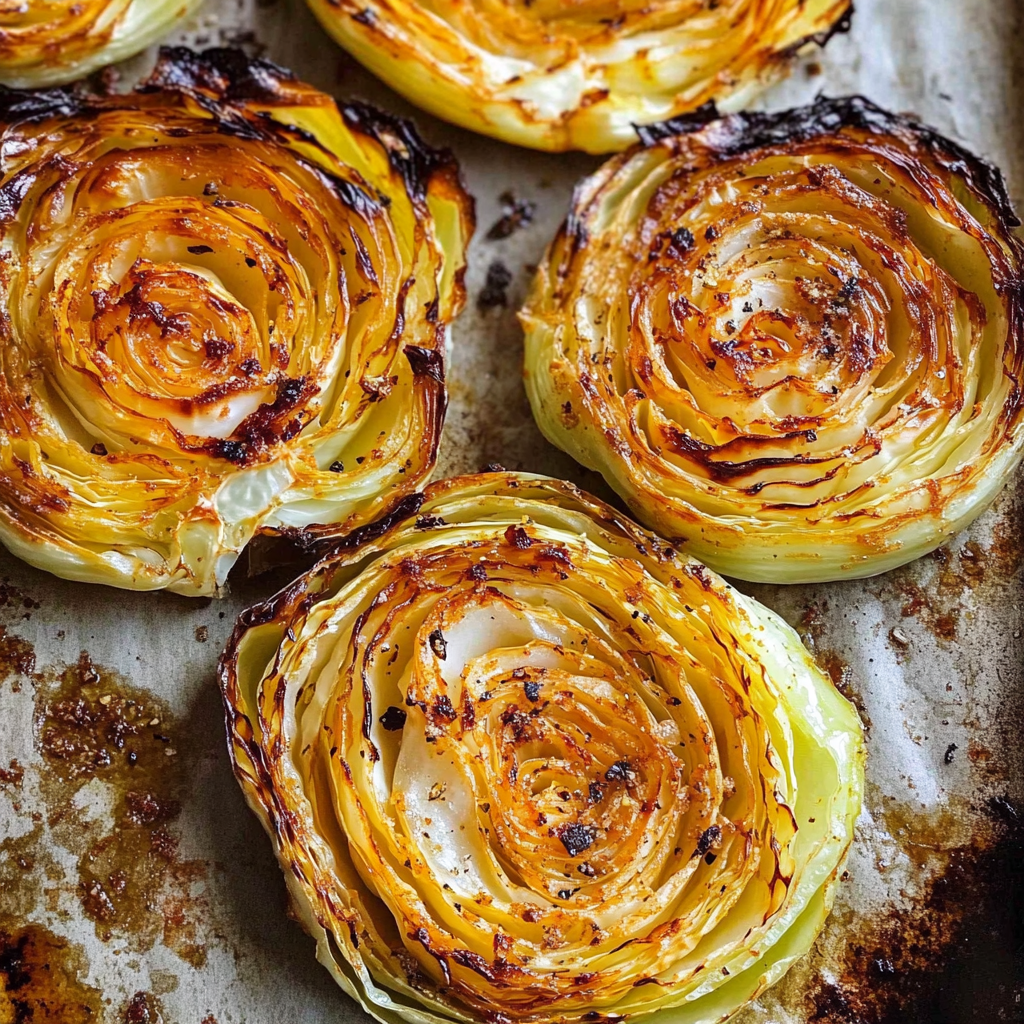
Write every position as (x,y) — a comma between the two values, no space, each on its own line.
(775,334)
(48,41)
(577,76)
(245,311)
(519,758)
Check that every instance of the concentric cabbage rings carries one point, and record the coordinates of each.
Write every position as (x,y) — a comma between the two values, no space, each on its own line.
(794,342)
(226,308)
(51,42)
(521,761)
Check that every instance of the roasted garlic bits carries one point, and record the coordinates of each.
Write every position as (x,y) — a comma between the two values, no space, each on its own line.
(522,761)
(556,75)
(226,306)
(791,341)
(49,42)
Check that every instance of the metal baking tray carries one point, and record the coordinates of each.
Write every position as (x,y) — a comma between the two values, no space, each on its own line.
(929,922)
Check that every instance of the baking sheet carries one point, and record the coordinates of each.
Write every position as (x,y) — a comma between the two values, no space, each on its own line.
(929,924)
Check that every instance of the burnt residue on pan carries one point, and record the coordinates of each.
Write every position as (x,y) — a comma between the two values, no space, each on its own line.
(143,1008)
(951,952)
(17,655)
(40,979)
(941,590)
(94,727)
(813,631)
(957,953)
(31,877)
(516,213)
(929,923)
(14,602)
(107,789)
(17,659)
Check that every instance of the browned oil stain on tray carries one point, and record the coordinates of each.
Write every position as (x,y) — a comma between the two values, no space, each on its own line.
(952,952)
(17,658)
(13,775)
(30,875)
(39,979)
(91,724)
(92,728)
(932,589)
(812,632)
(14,602)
